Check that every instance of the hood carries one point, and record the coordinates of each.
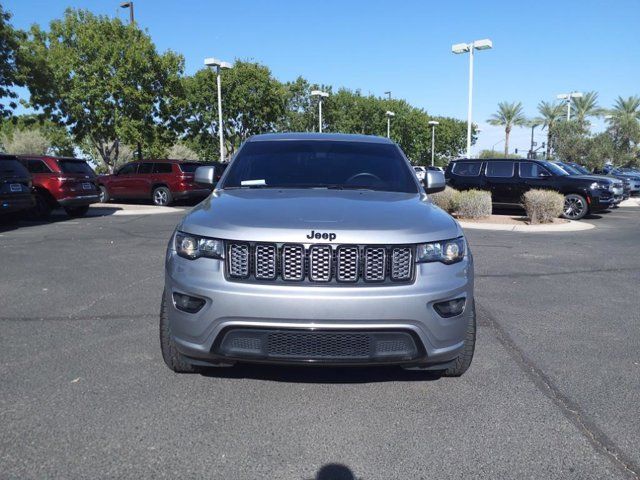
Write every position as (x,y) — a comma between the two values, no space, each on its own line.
(291,215)
(593,178)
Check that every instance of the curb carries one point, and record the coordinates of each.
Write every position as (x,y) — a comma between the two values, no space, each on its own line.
(630,202)
(571,226)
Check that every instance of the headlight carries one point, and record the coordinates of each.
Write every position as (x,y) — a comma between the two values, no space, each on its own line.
(446,251)
(597,185)
(192,246)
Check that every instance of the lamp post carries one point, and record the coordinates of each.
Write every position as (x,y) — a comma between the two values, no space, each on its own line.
(433,124)
(389,115)
(320,94)
(388,94)
(459,48)
(129,5)
(568,97)
(219,65)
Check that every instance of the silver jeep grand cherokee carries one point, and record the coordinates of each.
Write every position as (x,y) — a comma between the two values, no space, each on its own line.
(319,249)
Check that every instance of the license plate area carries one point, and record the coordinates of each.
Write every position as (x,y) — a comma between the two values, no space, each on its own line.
(87,186)
(15,187)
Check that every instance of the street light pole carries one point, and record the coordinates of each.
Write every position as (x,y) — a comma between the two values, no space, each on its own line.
(568,97)
(320,94)
(129,5)
(433,124)
(389,115)
(388,93)
(219,65)
(458,48)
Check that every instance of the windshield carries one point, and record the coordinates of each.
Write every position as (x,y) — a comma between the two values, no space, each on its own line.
(555,169)
(321,164)
(75,166)
(581,169)
(569,169)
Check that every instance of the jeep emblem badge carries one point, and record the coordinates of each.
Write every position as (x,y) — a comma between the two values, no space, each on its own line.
(322,235)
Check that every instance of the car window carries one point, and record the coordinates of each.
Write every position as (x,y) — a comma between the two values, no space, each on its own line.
(191,167)
(145,167)
(12,168)
(75,166)
(321,164)
(467,169)
(37,166)
(531,170)
(499,169)
(162,168)
(128,169)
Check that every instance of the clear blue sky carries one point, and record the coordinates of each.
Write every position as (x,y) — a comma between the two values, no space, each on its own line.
(541,48)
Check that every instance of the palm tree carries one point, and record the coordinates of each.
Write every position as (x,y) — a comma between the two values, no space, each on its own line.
(624,119)
(585,106)
(508,116)
(550,114)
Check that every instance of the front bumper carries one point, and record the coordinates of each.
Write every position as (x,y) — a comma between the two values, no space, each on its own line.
(192,194)
(79,201)
(402,317)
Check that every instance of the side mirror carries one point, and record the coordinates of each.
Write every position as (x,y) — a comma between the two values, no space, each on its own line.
(205,175)
(434,181)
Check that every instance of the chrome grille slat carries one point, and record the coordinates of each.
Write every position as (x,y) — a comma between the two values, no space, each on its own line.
(320,260)
(375,264)
(401,263)
(265,262)
(238,260)
(293,257)
(320,263)
(348,264)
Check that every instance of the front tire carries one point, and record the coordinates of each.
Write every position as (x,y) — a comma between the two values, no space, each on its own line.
(104,194)
(162,197)
(575,206)
(170,354)
(463,362)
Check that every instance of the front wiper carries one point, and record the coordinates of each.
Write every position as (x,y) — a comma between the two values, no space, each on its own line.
(347,187)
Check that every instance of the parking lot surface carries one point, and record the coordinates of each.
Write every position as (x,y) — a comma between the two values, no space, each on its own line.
(553,391)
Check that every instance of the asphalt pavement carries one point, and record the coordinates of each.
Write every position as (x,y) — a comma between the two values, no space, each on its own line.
(553,391)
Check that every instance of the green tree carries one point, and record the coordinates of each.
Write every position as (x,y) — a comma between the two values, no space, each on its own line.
(550,114)
(104,80)
(9,65)
(624,128)
(509,115)
(252,102)
(58,140)
(584,107)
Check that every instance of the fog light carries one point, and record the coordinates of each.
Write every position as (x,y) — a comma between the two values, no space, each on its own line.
(450,308)
(187,303)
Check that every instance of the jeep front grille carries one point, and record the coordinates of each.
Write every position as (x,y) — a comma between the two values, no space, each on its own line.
(319,263)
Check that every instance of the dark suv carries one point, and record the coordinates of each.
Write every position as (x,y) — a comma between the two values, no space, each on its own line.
(509,179)
(15,186)
(64,182)
(162,181)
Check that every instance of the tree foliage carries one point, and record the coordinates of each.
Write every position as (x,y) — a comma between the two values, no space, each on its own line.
(550,114)
(104,80)
(44,135)
(509,115)
(9,65)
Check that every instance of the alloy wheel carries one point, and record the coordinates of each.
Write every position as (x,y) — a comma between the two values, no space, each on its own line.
(575,207)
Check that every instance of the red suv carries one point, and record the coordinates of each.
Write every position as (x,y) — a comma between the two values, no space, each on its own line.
(162,181)
(69,183)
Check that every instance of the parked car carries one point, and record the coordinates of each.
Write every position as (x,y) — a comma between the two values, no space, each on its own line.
(420,172)
(509,179)
(15,187)
(626,183)
(162,181)
(634,179)
(64,182)
(319,249)
(617,187)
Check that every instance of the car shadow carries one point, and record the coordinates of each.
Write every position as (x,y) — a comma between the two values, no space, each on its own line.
(318,374)
(334,471)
